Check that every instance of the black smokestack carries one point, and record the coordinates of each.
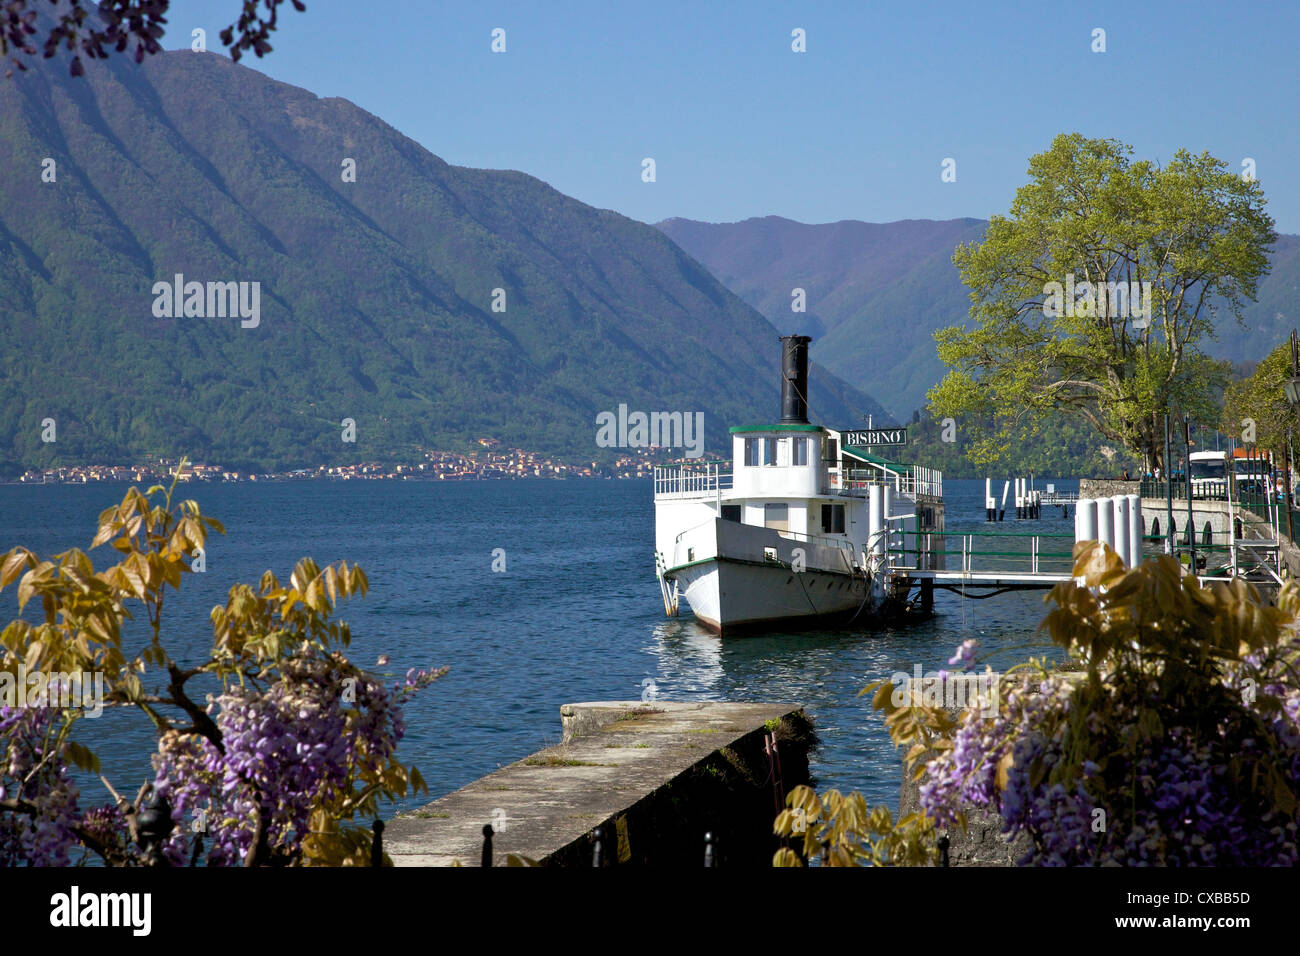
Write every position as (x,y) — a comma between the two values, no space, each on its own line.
(794,379)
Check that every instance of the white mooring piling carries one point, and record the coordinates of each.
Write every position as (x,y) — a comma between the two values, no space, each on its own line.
(887,510)
(1121,528)
(876,520)
(990,506)
(1106,522)
(1135,528)
(1116,522)
(1085,520)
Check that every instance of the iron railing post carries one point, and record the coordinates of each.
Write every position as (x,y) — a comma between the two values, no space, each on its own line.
(377,843)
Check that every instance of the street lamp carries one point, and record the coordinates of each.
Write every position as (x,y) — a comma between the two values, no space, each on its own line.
(1292,390)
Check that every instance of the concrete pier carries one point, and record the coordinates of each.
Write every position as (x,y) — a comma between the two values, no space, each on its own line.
(655,776)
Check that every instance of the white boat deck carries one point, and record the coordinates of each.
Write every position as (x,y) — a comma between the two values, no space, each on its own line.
(712,481)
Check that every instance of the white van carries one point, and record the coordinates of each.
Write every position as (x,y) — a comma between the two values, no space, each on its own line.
(1208,471)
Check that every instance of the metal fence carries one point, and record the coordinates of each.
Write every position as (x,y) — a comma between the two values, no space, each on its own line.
(1204,491)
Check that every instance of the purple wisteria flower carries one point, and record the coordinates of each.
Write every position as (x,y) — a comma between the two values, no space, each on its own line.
(965,656)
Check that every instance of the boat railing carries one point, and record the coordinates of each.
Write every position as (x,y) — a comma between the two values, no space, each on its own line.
(686,481)
(843,545)
(916,480)
(822,552)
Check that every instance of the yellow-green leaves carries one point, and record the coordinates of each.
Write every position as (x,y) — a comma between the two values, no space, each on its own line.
(1150,612)
(253,624)
(923,729)
(81,757)
(840,830)
(13,564)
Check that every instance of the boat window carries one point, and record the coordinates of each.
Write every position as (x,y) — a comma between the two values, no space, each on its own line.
(731,513)
(832,519)
(830,449)
(783,452)
(751,451)
(800,451)
(776,516)
(769,451)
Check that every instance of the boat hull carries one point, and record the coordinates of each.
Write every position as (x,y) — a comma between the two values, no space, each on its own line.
(733,596)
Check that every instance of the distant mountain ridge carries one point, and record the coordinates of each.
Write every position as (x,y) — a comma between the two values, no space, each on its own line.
(379,298)
(877,292)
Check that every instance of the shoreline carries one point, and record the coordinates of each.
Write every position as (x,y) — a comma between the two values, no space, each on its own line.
(286,478)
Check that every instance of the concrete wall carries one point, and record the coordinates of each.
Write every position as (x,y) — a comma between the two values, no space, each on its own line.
(1102,488)
(981,844)
(729,793)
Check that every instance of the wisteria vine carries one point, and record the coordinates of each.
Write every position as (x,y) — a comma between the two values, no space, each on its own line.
(1167,749)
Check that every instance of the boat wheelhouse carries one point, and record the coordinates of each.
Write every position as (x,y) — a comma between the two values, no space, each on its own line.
(794,532)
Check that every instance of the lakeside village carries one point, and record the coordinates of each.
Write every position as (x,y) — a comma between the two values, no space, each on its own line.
(494,462)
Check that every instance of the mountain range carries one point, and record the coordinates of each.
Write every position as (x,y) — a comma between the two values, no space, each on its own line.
(430,304)
(875,293)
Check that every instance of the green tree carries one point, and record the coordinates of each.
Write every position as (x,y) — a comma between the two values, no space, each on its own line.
(1259,398)
(1058,327)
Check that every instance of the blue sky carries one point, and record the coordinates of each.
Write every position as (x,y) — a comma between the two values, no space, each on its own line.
(857,127)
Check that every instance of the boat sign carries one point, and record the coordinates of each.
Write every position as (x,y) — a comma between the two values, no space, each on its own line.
(875,436)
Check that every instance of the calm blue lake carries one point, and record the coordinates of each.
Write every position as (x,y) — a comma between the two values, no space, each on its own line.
(576,616)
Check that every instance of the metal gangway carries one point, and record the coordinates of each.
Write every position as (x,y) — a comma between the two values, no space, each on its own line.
(998,561)
(1001,561)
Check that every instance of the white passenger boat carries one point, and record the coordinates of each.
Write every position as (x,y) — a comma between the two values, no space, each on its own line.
(799,530)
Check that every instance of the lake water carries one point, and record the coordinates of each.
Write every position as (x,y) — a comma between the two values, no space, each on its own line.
(576,616)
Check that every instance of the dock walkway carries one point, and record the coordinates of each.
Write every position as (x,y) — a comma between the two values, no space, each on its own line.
(614,757)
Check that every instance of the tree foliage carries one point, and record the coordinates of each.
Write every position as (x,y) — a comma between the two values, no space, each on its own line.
(1092,219)
(1058,447)
(1259,397)
(840,830)
(113,26)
